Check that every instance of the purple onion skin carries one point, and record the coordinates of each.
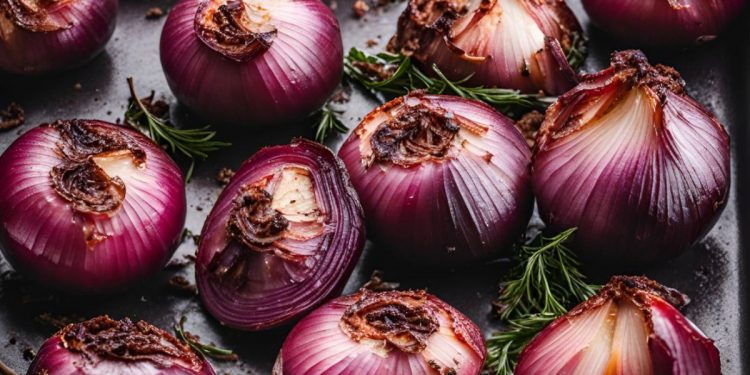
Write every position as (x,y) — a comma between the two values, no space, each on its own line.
(42,236)
(660,23)
(290,80)
(30,53)
(448,213)
(264,296)
(642,187)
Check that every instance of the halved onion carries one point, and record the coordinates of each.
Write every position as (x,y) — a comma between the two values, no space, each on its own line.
(517,44)
(444,180)
(632,326)
(79,207)
(395,332)
(102,346)
(283,237)
(37,36)
(627,157)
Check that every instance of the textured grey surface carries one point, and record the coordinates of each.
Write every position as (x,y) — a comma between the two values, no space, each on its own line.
(710,273)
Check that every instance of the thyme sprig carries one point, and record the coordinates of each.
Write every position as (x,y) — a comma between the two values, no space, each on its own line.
(193,143)
(329,122)
(503,348)
(396,74)
(205,349)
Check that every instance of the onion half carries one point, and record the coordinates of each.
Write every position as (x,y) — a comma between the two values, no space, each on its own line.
(252,61)
(632,326)
(627,157)
(102,346)
(369,333)
(79,210)
(663,22)
(517,44)
(38,36)
(444,181)
(283,237)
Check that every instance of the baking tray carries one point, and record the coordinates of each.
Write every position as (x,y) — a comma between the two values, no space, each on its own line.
(712,273)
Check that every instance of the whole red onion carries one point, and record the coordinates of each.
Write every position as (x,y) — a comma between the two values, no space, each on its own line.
(444,180)
(283,237)
(517,44)
(369,333)
(627,157)
(252,61)
(663,22)
(79,207)
(38,36)
(102,346)
(632,326)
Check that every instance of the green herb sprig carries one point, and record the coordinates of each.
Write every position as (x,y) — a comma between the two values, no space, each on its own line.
(193,143)
(205,349)
(503,348)
(329,123)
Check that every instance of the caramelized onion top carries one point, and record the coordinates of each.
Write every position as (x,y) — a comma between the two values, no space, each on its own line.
(238,29)
(32,15)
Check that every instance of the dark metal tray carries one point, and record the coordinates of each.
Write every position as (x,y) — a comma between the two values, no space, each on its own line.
(712,273)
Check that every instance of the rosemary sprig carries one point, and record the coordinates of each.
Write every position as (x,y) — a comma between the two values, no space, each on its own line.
(205,349)
(578,51)
(329,122)
(193,143)
(504,347)
(395,74)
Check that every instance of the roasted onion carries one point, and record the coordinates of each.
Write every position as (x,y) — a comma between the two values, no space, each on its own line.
(283,237)
(89,207)
(38,36)
(632,326)
(627,157)
(369,333)
(444,180)
(517,44)
(252,61)
(663,22)
(102,346)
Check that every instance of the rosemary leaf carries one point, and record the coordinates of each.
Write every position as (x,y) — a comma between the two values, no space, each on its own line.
(504,347)
(193,143)
(205,349)
(329,122)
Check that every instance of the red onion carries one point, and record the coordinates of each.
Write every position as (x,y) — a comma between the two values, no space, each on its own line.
(517,44)
(663,22)
(443,180)
(369,333)
(283,237)
(252,61)
(38,36)
(102,346)
(627,157)
(632,326)
(80,209)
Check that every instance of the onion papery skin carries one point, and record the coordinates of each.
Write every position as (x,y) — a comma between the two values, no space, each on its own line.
(470,205)
(627,157)
(46,239)
(263,289)
(632,326)
(288,81)
(666,23)
(516,44)
(87,26)
(102,346)
(318,344)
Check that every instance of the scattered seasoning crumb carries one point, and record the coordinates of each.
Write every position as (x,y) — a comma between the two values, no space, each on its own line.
(342,94)
(12,341)
(225,175)
(77,86)
(11,117)
(29,354)
(109,113)
(360,8)
(182,284)
(154,13)
(377,284)
(199,208)
(372,43)
(529,125)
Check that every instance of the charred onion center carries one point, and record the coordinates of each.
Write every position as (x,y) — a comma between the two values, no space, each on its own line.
(123,340)
(253,222)
(32,15)
(238,29)
(391,320)
(633,67)
(80,177)
(416,134)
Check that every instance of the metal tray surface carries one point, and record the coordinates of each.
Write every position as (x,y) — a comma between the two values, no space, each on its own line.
(712,273)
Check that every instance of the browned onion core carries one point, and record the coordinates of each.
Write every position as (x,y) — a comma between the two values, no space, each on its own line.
(238,29)
(635,289)
(423,19)
(253,222)
(78,179)
(403,320)
(32,15)
(633,67)
(123,340)
(417,134)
